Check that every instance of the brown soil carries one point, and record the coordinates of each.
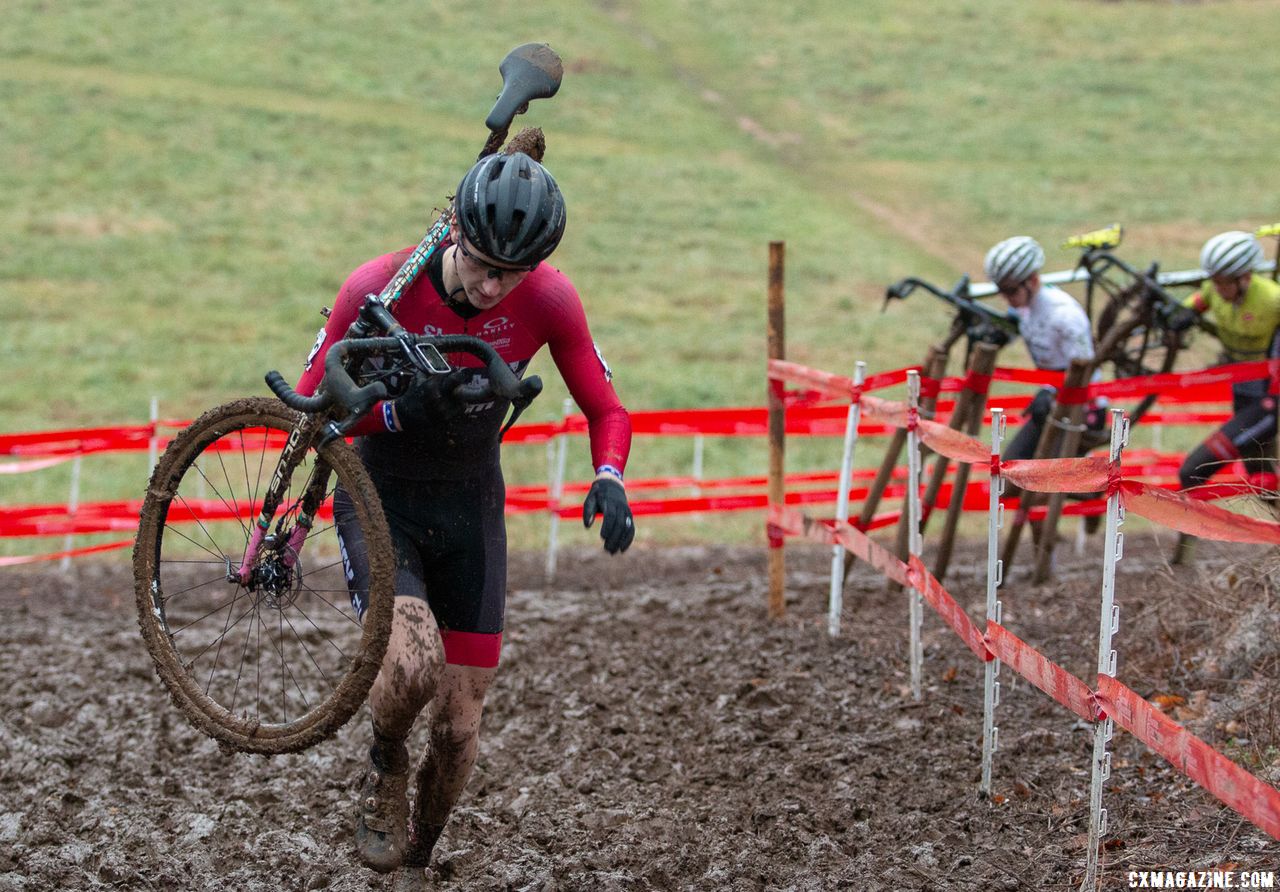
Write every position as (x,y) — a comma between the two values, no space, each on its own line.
(652,730)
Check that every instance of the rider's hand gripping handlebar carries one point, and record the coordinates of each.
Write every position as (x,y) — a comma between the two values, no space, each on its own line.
(338,385)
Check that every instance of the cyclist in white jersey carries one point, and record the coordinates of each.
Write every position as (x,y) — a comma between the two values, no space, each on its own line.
(1052,323)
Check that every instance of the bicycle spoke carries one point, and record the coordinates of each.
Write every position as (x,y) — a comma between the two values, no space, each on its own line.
(169,598)
(328,639)
(234,505)
(346,615)
(203,529)
(226,628)
(235,691)
(302,694)
(284,699)
(257,663)
(307,650)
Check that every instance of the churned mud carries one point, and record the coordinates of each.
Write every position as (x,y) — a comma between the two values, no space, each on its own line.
(651,729)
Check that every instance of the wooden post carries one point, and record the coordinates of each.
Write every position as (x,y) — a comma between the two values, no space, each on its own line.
(1077,377)
(1048,446)
(935,370)
(981,362)
(959,417)
(897,442)
(777,428)
(1028,500)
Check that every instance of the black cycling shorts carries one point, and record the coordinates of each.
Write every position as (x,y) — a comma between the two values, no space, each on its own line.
(450,540)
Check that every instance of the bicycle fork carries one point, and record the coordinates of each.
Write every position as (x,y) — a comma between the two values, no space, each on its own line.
(312,498)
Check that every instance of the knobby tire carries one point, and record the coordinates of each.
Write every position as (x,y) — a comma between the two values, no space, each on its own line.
(205,443)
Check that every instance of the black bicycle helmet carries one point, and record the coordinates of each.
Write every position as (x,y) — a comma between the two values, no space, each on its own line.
(511,209)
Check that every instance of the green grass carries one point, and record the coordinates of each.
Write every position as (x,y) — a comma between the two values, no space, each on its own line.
(183,187)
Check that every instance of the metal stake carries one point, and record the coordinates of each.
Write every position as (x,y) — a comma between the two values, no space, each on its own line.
(557,489)
(1108,625)
(914,544)
(73,505)
(836,602)
(995,576)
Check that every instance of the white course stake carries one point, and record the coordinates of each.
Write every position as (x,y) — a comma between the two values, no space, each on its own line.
(73,505)
(557,489)
(699,444)
(995,576)
(1109,624)
(914,544)
(836,602)
(153,442)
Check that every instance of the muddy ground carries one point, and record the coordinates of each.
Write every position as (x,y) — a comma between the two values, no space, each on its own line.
(652,730)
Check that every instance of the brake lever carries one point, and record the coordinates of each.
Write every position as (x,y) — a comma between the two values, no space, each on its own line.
(531,386)
(337,430)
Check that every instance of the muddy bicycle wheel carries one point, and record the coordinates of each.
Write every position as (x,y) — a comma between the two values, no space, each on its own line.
(272,659)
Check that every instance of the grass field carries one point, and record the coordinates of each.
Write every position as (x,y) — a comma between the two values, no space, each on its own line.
(183,187)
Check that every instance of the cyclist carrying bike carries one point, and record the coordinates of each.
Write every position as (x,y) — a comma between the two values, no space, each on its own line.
(1245,310)
(435,463)
(1052,323)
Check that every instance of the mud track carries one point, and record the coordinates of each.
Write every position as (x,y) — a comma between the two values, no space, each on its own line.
(649,730)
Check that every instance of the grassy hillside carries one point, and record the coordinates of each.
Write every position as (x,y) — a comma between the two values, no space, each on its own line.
(183,187)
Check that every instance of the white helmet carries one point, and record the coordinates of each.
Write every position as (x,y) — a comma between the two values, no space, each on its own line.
(1013,261)
(1230,254)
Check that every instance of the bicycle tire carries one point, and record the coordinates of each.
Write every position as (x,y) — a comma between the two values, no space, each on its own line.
(175,574)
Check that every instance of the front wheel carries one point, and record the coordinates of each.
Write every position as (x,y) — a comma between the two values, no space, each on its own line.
(271,658)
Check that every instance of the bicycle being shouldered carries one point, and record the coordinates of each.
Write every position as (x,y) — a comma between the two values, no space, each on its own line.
(239,573)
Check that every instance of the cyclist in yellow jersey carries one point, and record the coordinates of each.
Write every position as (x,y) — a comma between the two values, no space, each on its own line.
(1245,309)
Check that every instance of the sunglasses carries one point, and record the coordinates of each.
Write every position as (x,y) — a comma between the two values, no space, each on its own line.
(491,271)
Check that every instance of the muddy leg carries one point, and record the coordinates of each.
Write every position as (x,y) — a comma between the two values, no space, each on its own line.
(406,682)
(450,755)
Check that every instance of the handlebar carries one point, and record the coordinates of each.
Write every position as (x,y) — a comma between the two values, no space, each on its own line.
(979,321)
(1099,260)
(339,387)
(902,289)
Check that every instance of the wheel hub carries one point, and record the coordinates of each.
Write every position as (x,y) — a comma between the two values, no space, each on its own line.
(274,582)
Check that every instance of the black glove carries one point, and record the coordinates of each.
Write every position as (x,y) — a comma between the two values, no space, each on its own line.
(607,497)
(431,399)
(1177,318)
(1041,405)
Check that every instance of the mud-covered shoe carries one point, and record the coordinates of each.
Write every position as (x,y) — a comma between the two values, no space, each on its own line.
(412,879)
(383,811)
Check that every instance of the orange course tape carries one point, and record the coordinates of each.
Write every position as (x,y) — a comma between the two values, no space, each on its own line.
(1042,672)
(1238,789)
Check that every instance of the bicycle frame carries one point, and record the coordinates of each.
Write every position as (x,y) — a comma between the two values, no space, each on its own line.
(530,71)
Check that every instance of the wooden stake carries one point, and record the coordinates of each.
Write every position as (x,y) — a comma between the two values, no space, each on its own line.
(981,362)
(777,428)
(1077,376)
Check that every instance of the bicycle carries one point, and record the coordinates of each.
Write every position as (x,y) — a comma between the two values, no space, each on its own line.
(245,618)
(975,321)
(1131,329)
